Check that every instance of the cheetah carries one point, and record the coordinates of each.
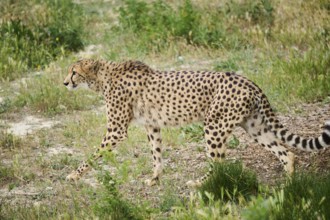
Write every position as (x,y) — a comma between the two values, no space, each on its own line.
(154,99)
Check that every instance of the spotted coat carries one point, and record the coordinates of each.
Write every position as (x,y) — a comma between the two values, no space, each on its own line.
(154,99)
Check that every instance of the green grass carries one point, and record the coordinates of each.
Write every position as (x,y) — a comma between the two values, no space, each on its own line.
(6,174)
(306,75)
(46,94)
(305,196)
(158,23)
(193,132)
(229,181)
(34,33)
(9,141)
(111,205)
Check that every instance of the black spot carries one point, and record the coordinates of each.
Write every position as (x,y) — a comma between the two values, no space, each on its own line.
(304,143)
(290,137)
(297,140)
(283,132)
(212,154)
(213,146)
(158,149)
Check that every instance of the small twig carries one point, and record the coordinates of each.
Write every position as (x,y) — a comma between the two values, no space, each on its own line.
(20,178)
(25,194)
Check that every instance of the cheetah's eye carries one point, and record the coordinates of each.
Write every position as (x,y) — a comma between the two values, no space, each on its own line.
(74,73)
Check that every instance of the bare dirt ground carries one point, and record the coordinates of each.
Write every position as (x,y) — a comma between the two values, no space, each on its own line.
(192,161)
(181,163)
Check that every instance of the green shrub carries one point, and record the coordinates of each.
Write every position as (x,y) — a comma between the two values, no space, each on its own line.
(111,205)
(229,181)
(5,105)
(260,12)
(157,24)
(33,33)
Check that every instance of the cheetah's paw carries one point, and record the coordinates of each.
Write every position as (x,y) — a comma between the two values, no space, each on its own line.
(151,182)
(74,176)
(192,183)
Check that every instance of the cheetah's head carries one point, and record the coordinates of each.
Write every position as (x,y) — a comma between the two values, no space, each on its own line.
(82,74)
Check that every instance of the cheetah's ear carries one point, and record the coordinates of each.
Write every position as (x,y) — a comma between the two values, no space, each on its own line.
(90,66)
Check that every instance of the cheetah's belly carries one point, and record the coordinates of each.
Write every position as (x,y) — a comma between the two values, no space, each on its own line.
(162,116)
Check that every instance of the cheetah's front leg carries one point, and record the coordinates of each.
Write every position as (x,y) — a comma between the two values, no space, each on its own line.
(113,137)
(155,140)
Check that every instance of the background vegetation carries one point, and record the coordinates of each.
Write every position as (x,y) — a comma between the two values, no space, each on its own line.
(281,45)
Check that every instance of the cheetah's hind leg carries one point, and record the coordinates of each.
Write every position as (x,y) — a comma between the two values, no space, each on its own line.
(256,128)
(155,140)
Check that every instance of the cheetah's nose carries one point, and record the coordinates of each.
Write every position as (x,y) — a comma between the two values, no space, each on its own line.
(66,83)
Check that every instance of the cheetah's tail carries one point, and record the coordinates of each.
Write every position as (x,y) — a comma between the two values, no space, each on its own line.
(293,140)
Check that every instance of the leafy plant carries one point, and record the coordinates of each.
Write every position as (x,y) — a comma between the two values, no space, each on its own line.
(5,105)
(193,132)
(233,142)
